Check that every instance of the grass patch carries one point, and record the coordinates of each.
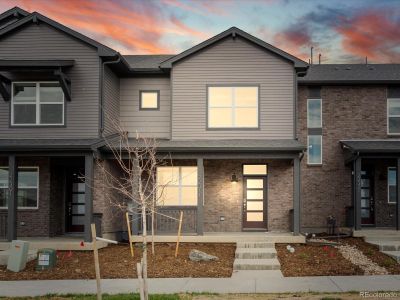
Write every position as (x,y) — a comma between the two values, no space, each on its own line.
(105,297)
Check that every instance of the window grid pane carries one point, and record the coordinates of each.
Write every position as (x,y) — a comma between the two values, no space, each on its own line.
(314,149)
(233,107)
(314,113)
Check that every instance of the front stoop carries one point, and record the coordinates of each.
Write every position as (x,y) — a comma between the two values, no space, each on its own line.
(255,256)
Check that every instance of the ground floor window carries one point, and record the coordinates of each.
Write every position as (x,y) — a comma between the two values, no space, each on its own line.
(177,186)
(392,178)
(28,187)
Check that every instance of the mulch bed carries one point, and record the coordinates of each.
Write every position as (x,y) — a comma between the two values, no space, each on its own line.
(116,262)
(372,252)
(314,260)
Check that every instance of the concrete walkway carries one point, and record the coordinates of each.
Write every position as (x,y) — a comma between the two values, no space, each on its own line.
(240,282)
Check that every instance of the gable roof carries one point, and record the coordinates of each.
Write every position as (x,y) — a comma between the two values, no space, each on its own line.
(352,74)
(37,17)
(233,31)
(15,11)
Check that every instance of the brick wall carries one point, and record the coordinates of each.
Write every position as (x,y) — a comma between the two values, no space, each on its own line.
(348,112)
(222,198)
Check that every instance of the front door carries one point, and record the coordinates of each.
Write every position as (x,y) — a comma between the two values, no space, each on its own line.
(75,202)
(367,197)
(254,202)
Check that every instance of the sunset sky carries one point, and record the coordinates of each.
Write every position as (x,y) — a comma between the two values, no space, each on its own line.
(342,31)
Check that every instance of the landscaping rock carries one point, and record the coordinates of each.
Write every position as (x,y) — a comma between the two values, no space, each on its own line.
(196,255)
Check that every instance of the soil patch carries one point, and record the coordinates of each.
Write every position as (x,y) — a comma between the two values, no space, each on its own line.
(116,262)
(314,260)
(373,253)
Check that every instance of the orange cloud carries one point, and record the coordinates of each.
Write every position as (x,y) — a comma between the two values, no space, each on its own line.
(130,27)
(375,34)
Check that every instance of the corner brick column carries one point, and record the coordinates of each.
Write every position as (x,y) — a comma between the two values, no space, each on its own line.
(200,196)
(89,179)
(13,199)
(398,195)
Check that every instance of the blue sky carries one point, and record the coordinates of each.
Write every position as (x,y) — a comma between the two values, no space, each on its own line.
(342,31)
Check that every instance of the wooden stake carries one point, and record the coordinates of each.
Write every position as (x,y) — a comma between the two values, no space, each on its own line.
(96,261)
(179,234)
(128,223)
(140,278)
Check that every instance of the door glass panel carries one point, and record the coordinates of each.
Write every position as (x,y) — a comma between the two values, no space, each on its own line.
(78,187)
(364,202)
(365,213)
(364,193)
(78,209)
(364,182)
(78,198)
(255,205)
(255,216)
(78,220)
(255,194)
(255,183)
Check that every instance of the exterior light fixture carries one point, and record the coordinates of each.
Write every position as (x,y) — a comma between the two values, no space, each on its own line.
(234,178)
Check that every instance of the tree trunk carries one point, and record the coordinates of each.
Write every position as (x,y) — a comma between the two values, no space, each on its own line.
(144,267)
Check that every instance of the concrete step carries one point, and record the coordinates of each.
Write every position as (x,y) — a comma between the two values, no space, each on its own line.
(385,245)
(394,254)
(256,264)
(255,253)
(382,238)
(255,245)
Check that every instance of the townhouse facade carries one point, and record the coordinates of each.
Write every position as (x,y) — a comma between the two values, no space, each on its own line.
(260,140)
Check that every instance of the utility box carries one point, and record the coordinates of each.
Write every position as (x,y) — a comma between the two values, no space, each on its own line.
(46,259)
(18,255)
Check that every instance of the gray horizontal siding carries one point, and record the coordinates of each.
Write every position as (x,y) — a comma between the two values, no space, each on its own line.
(44,42)
(111,101)
(233,62)
(150,123)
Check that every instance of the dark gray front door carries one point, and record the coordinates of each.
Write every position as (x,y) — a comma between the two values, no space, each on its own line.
(367,198)
(254,202)
(76,202)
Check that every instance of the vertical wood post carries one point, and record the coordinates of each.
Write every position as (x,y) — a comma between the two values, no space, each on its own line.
(357,194)
(179,234)
(13,199)
(398,195)
(89,183)
(296,196)
(96,261)
(128,224)
(200,196)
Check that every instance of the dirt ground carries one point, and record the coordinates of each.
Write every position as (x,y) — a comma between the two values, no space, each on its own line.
(116,262)
(313,260)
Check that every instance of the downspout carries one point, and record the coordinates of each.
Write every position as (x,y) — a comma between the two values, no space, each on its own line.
(101,130)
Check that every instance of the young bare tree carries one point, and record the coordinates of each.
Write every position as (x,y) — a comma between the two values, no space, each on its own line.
(135,184)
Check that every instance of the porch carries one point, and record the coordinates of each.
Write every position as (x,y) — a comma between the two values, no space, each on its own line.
(375,168)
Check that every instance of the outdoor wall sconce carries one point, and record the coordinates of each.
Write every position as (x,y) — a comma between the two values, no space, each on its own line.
(234,178)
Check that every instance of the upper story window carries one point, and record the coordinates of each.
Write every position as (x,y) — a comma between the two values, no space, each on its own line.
(314,113)
(177,186)
(37,103)
(393,115)
(233,107)
(149,100)
(28,187)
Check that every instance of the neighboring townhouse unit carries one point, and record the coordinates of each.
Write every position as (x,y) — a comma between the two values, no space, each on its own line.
(260,140)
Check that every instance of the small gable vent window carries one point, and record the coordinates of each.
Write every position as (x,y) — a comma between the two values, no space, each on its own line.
(37,103)
(149,100)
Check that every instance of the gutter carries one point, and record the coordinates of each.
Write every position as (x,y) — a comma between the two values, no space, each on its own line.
(101,92)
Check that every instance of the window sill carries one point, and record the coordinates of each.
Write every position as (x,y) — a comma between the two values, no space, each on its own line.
(21,208)
(314,165)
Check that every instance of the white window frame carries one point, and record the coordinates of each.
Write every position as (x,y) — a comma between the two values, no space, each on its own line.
(308,115)
(37,104)
(232,107)
(180,186)
(29,187)
(308,150)
(388,185)
(388,116)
